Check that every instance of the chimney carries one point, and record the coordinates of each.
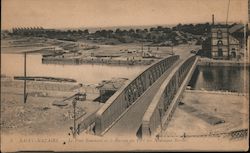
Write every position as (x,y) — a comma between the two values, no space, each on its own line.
(212,19)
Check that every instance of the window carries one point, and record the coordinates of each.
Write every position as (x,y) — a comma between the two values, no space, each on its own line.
(219,43)
(220,52)
(219,34)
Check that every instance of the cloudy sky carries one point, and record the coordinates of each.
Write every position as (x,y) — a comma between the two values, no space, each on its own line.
(102,13)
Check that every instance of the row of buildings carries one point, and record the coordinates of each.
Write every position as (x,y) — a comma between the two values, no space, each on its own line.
(27,30)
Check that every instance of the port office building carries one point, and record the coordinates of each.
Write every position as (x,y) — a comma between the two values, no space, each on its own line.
(221,44)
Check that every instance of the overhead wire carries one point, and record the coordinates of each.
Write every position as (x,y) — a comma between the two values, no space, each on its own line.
(228,6)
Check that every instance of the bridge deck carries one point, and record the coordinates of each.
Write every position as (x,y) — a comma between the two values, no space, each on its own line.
(131,121)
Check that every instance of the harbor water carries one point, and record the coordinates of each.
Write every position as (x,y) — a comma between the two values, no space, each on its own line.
(213,78)
(220,78)
(13,65)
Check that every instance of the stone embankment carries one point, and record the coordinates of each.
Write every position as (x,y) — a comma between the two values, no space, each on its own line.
(231,63)
(77,61)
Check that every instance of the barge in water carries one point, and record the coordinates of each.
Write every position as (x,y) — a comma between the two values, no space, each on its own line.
(42,78)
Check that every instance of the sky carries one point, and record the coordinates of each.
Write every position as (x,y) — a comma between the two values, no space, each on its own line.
(105,13)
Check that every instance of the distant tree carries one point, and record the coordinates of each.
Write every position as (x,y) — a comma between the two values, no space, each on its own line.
(138,30)
(167,30)
(159,28)
(103,33)
(110,33)
(79,31)
(97,33)
(198,29)
(174,28)
(69,32)
(145,30)
(131,31)
(152,29)
(86,31)
(118,32)
(178,27)
(125,33)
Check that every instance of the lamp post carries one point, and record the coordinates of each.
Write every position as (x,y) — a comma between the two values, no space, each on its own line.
(172,46)
(74,111)
(160,112)
(24,91)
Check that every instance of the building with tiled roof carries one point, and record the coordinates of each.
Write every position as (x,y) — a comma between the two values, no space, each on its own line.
(220,43)
(108,87)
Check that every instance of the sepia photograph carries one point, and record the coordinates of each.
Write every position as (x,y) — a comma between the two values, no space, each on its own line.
(124,75)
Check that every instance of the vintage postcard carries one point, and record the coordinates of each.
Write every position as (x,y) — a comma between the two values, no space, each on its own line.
(124,75)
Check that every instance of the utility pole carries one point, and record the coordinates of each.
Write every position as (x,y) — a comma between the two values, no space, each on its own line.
(24,91)
(228,43)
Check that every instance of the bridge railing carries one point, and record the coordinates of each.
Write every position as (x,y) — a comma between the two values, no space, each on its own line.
(117,104)
(162,102)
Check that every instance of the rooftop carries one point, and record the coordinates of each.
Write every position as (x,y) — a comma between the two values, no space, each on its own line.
(113,84)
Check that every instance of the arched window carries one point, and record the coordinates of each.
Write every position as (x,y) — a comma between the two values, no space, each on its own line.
(219,43)
(219,34)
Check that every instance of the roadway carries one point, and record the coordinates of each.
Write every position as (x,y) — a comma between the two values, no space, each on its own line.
(131,121)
